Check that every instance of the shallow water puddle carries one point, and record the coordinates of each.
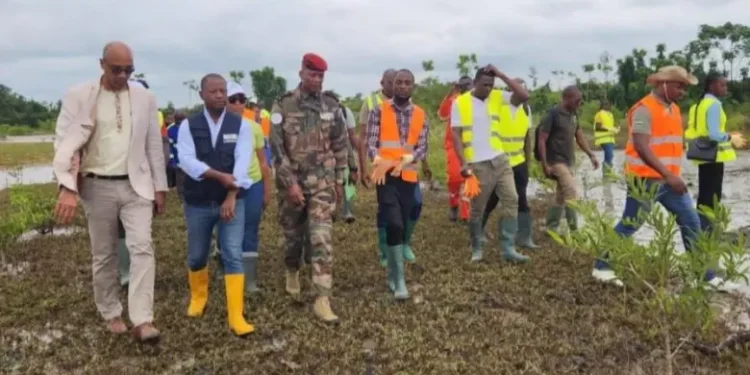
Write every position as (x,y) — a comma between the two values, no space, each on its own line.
(28,175)
(56,231)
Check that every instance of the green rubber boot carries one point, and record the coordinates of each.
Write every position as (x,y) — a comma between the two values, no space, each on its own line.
(523,237)
(508,230)
(554,215)
(124,260)
(383,246)
(476,233)
(408,232)
(572,217)
(397,279)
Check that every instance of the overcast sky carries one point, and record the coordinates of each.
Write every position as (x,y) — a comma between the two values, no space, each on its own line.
(48,45)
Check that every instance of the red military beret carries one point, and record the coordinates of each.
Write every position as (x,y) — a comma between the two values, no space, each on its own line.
(314,62)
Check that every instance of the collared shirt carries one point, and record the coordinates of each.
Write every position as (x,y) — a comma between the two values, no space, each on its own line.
(107,152)
(172,131)
(403,117)
(243,150)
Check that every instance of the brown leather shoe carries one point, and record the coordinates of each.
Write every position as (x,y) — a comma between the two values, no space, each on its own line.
(117,326)
(146,333)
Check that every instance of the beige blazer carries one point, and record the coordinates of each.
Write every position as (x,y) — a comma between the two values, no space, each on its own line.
(77,122)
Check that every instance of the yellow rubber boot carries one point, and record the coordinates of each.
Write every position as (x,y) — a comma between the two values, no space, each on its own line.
(323,310)
(235,286)
(198,292)
(292,282)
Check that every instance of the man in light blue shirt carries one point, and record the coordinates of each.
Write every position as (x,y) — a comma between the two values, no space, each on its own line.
(215,149)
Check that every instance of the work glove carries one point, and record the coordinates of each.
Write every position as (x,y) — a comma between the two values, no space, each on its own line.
(470,187)
(405,159)
(379,168)
(737,140)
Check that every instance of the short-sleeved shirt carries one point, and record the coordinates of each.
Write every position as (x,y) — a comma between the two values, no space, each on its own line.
(258,141)
(561,127)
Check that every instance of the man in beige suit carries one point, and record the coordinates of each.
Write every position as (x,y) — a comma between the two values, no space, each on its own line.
(109,152)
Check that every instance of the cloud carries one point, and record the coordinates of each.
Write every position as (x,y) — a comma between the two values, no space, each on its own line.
(46,46)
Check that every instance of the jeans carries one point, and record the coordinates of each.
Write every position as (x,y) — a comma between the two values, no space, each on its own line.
(609,154)
(253,212)
(414,214)
(681,206)
(200,224)
(710,183)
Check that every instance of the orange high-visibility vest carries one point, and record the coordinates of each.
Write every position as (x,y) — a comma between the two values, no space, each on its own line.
(391,146)
(265,122)
(665,143)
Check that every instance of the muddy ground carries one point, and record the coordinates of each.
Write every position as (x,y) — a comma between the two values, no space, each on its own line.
(547,317)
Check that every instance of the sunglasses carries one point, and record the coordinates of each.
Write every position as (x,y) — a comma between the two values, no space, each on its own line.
(237,98)
(119,69)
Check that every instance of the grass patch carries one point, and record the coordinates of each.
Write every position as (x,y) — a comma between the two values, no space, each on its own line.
(14,155)
(547,317)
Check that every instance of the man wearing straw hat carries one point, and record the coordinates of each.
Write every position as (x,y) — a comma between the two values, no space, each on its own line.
(653,156)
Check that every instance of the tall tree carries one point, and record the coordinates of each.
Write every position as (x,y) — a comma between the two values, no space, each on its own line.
(267,86)
(534,76)
(466,64)
(237,76)
(605,66)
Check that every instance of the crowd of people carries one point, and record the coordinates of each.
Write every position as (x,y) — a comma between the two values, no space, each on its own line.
(110,154)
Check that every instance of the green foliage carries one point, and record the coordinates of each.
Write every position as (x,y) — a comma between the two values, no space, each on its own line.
(25,208)
(267,86)
(44,127)
(668,286)
(16,110)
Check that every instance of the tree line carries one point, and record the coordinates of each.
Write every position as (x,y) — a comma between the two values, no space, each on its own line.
(622,81)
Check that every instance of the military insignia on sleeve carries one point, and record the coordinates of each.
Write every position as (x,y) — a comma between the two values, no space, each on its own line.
(276,118)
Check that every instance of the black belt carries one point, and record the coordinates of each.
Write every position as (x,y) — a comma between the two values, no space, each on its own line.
(101,177)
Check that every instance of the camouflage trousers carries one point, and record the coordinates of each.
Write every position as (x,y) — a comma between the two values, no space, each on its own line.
(310,223)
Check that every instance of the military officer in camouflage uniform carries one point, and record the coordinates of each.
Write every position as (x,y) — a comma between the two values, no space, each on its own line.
(309,146)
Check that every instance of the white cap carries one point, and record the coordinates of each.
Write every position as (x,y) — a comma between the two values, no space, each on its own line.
(234,88)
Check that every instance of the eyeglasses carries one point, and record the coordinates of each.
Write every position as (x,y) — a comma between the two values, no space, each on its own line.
(119,69)
(237,98)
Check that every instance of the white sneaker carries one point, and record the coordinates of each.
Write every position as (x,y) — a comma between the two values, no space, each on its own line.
(606,276)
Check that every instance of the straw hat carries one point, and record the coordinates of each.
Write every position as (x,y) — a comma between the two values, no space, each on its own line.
(672,73)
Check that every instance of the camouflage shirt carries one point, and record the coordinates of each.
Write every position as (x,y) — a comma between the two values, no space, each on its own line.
(309,140)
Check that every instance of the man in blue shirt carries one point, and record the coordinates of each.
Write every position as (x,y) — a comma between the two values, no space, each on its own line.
(174,160)
(215,149)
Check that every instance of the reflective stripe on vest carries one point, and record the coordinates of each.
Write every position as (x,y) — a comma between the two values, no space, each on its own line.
(665,143)
(391,147)
(465,107)
(699,128)
(513,133)
(608,122)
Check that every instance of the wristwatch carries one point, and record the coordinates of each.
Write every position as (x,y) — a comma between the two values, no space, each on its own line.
(466,172)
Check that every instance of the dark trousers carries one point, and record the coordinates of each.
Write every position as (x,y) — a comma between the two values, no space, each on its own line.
(710,182)
(521,178)
(395,204)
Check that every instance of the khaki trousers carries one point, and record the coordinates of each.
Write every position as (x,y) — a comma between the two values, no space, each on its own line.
(495,177)
(104,201)
(565,190)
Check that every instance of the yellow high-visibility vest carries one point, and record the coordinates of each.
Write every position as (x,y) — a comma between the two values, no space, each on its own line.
(513,133)
(698,127)
(494,108)
(608,122)
(373,101)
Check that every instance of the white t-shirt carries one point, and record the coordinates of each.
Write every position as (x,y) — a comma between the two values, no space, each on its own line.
(481,126)
(351,122)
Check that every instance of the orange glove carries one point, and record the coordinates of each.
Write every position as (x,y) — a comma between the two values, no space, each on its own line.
(379,168)
(471,187)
